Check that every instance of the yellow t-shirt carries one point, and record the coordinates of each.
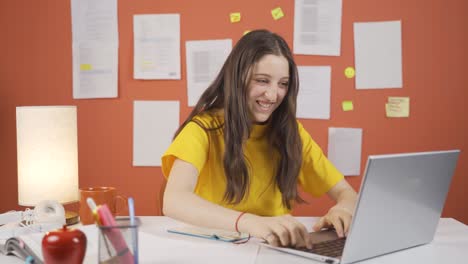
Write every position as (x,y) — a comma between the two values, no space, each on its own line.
(205,150)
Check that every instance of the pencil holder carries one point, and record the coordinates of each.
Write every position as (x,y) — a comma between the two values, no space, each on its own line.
(119,243)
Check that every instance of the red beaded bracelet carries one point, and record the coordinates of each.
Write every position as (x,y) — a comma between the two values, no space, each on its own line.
(237,221)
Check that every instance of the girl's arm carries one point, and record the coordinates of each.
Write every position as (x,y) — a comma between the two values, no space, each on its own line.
(340,215)
(181,203)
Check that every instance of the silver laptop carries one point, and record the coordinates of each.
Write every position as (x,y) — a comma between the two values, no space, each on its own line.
(399,206)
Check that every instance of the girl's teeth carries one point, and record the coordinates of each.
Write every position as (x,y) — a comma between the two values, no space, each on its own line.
(264,105)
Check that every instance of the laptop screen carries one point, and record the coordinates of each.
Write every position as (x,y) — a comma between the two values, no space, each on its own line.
(400,202)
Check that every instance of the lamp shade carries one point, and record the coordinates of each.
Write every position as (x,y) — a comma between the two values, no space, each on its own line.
(47,150)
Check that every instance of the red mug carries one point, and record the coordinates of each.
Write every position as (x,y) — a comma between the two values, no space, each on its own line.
(100,195)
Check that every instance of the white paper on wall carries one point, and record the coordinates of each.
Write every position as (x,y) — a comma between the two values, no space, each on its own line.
(95,47)
(378,57)
(344,149)
(204,61)
(154,125)
(317,27)
(313,100)
(95,68)
(156,46)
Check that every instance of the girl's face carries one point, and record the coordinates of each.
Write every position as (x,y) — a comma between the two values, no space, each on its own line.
(267,87)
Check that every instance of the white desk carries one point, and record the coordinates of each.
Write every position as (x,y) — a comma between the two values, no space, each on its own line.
(450,245)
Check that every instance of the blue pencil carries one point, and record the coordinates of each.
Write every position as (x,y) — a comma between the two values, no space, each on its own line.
(131,211)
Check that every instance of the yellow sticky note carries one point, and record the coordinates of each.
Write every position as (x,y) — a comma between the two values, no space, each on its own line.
(247,31)
(349,72)
(277,13)
(397,107)
(235,17)
(347,105)
(86,67)
(392,110)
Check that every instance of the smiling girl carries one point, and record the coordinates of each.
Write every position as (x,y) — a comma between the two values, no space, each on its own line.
(238,159)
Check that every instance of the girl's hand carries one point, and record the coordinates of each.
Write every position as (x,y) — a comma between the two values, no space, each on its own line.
(283,230)
(338,217)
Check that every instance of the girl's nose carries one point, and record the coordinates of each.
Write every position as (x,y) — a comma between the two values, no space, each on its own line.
(271,93)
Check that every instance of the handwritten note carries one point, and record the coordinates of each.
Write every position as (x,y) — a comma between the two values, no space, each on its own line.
(397,107)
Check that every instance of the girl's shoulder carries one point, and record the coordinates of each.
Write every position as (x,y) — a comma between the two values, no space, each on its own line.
(209,119)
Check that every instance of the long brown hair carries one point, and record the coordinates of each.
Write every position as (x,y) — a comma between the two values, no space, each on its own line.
(229,92)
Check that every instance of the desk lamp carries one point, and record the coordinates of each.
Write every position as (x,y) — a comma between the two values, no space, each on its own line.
(47,155)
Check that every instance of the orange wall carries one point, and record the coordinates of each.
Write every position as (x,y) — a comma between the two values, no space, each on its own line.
(35,69)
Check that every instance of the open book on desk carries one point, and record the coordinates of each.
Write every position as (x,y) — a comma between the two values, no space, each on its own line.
(215,234)
(21,247)
(31,245)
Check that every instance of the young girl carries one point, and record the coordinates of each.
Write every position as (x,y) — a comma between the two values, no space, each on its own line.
(236,161)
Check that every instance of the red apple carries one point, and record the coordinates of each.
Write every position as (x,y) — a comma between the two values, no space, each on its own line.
(64,245)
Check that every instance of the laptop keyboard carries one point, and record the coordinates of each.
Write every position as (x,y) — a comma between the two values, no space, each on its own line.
(331,248)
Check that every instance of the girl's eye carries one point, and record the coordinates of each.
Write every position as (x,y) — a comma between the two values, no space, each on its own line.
(261,80)
(284,84)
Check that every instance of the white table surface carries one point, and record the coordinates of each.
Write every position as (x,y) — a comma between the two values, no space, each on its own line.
(450,245)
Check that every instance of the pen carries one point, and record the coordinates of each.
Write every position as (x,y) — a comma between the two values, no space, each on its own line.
(114,234)
(93,207)
(104,217)
(131,211)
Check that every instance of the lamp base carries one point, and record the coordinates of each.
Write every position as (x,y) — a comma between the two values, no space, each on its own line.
(71,218)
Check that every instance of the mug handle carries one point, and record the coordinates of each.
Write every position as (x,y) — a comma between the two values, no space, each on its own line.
(123,209)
